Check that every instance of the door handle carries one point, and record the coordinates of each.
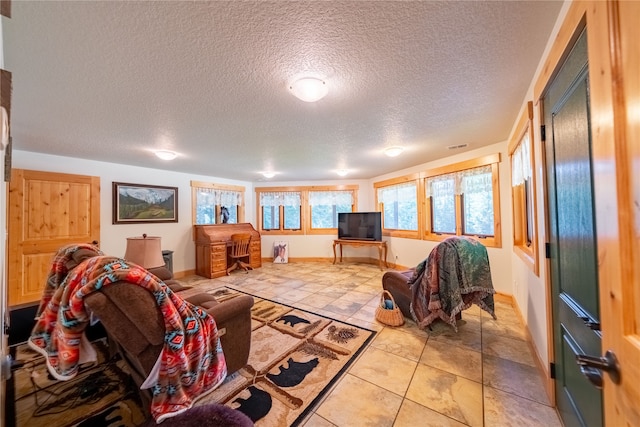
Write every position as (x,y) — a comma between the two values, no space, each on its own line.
(594,326)
(592,367)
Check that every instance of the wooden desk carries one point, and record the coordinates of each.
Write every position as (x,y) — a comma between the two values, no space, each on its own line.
(211,248)
(382,247)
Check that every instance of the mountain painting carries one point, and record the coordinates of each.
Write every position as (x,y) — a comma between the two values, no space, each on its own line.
(144,203)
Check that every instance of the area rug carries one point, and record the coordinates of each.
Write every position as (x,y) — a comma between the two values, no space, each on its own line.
(102,394)
(296,356)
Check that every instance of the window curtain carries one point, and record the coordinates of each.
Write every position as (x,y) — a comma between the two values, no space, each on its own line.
(476,180)
(214,196)
(330,198)
(280,198)
(441,185)
(521,162)
(398,193)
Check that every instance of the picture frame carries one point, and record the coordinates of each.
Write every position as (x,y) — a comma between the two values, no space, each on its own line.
(140,203)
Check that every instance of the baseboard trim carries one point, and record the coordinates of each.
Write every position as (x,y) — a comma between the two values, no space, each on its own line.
(183,274)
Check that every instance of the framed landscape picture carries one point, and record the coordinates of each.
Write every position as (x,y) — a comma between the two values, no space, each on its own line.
(137,203)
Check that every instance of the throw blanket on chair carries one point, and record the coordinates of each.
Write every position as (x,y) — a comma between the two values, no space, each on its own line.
(454,276)
(191,363)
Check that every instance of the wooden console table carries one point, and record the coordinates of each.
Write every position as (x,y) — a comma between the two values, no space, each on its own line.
(382,247)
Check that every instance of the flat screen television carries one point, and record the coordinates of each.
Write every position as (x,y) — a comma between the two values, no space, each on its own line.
(360,226)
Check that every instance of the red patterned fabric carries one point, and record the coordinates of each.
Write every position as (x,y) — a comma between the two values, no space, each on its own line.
(191,363)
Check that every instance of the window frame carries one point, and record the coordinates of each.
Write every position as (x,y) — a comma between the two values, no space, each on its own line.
(528,253)
(410,234)
(492,160)
(195,185)
(305,208)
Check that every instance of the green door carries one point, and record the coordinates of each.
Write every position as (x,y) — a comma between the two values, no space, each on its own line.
(572,238)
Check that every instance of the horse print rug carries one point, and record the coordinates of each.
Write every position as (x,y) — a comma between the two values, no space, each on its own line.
(295,357)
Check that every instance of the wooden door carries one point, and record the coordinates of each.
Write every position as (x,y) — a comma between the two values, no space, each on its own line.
(618,186)
(572,237)
(46,211)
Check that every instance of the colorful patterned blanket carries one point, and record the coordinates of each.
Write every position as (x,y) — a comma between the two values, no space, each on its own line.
(454,276)
(191,363)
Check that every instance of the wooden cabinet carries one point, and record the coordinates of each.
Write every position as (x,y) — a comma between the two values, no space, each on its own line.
(211,248)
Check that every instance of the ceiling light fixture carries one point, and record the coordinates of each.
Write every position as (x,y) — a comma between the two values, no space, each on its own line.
(342,172)
(268,174)
(393,151)
(309,89)
(166,155)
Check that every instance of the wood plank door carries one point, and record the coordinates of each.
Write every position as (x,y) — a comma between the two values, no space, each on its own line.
(619,160)
(46,211)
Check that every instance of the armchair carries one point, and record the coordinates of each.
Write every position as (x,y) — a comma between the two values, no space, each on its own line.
(455,275)
(135,326)
(162,337)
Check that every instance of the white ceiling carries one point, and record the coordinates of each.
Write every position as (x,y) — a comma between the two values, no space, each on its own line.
(112,81)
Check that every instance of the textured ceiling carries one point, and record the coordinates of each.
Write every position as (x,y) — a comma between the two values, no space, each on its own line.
(113,81)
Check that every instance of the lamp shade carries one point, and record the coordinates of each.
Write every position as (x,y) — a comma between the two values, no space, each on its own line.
(145,251)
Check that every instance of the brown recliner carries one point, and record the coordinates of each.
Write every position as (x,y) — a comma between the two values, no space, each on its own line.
(134,323)
(396,282)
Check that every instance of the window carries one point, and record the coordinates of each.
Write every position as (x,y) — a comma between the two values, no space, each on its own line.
(281,210)
(216,203)
(398,202)
(523,191)
(443,203)
(325,206)
(463,199)
(303,210)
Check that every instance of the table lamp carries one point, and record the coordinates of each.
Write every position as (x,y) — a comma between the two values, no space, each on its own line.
(146,251)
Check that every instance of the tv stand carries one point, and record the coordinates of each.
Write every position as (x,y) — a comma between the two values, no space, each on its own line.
(382,247)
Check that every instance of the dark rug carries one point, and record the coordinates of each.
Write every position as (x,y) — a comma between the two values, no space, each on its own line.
(102,394)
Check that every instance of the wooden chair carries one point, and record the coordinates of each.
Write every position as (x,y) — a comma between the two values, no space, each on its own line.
(239,250)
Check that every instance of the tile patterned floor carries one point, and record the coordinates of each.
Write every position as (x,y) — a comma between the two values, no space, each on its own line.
(484,375)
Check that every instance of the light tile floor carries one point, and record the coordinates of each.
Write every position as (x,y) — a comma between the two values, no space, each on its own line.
(484,375)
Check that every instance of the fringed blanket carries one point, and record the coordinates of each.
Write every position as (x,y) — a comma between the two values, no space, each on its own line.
(191,363)
(454,276)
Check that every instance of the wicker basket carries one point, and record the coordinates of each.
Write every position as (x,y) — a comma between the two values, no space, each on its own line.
(389,316)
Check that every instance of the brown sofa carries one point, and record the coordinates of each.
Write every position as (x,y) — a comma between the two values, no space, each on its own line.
(134,324)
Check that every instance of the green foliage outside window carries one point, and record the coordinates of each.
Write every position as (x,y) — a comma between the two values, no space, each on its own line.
(292,217)
(326,216)
(270,218)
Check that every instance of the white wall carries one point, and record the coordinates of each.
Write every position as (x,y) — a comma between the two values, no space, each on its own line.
(175,236)
(178,236)
(530,291)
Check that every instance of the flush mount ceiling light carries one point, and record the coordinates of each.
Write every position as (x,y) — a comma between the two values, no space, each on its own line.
(342,172)
(166,155)
(393,151)
(309,89)
(268,174)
